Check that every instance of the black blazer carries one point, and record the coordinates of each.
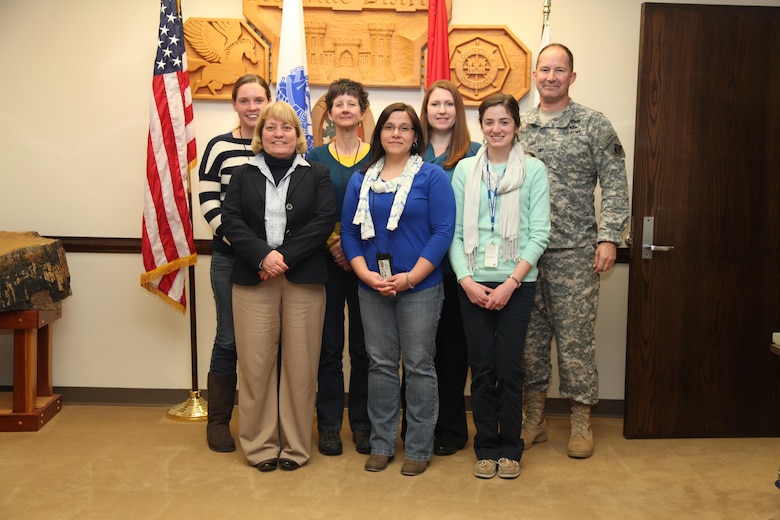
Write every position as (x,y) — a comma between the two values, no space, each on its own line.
(311,216)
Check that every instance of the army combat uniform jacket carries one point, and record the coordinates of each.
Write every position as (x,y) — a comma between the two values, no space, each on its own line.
(579,148)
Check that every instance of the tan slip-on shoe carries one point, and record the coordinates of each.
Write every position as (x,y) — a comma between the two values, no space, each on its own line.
(377,462)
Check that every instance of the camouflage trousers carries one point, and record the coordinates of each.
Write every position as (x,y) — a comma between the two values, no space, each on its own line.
(565,309)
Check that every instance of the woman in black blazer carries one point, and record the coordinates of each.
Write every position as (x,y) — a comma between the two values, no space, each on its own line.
(278,213)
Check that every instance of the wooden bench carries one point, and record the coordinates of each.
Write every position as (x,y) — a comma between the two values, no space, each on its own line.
(34,278)
(34,402)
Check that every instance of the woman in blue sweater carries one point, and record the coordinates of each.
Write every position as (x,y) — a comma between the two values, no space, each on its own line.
(398,221)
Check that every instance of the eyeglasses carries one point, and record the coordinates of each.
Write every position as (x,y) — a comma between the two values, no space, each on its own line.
(404,129)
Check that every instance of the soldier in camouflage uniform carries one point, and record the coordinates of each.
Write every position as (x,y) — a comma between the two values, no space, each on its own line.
(579,147)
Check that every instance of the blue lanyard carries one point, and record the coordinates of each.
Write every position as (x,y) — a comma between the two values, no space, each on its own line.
(492,196)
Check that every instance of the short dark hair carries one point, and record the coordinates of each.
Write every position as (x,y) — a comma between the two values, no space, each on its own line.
(563,48)
(350,88)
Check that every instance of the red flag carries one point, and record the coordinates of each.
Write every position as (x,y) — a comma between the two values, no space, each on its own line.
(167,245)
(438,66)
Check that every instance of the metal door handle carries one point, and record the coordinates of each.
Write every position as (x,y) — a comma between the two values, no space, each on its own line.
(653,247)
(648,227)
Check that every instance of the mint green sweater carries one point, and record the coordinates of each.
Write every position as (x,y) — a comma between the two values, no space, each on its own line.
(534,223)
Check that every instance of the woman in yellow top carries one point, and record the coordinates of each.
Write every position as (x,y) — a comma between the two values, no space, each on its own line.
(347,102)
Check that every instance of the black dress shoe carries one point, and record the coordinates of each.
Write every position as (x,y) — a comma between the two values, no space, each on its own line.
(330,443)
(288,465)
(443,450)
(362,440)
(267,465)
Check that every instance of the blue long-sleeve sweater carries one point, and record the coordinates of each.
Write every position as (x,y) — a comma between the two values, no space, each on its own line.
(425,229)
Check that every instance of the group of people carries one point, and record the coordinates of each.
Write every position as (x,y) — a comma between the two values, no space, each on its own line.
(448,254)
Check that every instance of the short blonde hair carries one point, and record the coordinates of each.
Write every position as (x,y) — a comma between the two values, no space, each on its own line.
(286,114)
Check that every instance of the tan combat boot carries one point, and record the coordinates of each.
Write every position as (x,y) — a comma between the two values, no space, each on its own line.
(581,440)
(534,423)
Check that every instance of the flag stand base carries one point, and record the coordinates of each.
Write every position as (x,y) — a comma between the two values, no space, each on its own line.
(193,409)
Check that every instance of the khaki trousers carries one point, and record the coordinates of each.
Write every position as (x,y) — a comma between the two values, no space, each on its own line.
(276,403)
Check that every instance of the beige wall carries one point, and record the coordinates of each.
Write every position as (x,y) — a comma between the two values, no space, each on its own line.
(73,124)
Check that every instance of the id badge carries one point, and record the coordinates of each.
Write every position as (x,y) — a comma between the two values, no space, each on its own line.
(491,255)
(385,263)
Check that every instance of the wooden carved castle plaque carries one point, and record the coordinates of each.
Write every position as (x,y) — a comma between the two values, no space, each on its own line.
(377,42)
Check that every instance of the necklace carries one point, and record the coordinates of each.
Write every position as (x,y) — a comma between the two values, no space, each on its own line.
(243,139)
(346,171)
(338,157)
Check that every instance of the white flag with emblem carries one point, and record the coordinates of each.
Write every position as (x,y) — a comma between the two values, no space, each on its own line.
(292,78)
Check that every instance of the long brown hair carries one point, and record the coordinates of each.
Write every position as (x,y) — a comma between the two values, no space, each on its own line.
(461,138)
(505,100)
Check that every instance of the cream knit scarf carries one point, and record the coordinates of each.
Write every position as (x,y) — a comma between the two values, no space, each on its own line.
(508,200)
(400,186)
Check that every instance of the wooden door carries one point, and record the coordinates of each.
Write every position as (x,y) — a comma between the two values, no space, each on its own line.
(707,171)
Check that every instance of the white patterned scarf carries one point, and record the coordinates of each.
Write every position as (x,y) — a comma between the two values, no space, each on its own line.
(509,217)
(400,186)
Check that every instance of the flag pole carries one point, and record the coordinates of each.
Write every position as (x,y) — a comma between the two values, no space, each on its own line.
(167,244)
(195,408)
(545,40)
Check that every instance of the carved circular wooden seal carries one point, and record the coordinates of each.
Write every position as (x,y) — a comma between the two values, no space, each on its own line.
(485,60)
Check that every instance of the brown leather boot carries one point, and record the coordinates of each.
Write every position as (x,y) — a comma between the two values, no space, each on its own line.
(222,394)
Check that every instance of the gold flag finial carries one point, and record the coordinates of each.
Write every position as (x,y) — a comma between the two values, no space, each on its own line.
(546,10)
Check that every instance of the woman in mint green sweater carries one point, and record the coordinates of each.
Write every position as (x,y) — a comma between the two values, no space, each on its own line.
(502,225)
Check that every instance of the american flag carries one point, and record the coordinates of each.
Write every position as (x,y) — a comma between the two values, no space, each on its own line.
(167,245)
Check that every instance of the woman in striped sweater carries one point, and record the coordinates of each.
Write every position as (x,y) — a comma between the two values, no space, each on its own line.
(224,153)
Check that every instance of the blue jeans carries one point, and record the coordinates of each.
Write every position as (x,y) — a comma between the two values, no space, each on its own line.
(402,327)
(223,355)
(452,368)
(342,286)
(496,342)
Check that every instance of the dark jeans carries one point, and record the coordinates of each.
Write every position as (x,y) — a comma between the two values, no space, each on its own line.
(496,341)
(452,369)
(223,354)
(342,286)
